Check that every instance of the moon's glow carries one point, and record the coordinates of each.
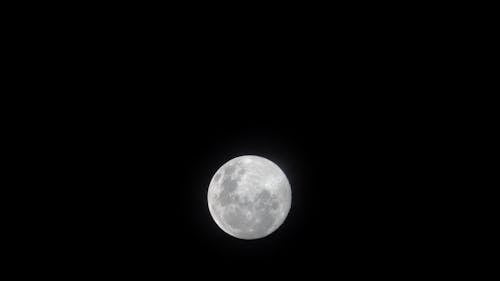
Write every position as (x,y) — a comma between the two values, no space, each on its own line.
(249,197)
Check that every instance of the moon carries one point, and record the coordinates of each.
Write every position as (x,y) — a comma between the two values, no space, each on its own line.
(249,197)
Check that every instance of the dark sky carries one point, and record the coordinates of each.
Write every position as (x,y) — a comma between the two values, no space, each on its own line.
(128,111)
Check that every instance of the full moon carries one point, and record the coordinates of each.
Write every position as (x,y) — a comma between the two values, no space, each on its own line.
(249,197)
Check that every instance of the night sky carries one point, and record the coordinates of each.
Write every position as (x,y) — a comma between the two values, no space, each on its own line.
(126,113)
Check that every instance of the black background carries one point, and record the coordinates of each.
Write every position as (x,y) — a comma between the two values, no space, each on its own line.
(142,121)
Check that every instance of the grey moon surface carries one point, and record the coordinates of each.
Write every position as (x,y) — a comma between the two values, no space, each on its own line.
(249,197)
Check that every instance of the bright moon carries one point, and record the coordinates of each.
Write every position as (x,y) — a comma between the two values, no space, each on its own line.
(249,197)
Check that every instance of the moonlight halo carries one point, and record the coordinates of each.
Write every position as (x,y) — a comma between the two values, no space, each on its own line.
(249,197)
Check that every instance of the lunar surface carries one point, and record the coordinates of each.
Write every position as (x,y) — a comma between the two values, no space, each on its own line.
(249,197)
